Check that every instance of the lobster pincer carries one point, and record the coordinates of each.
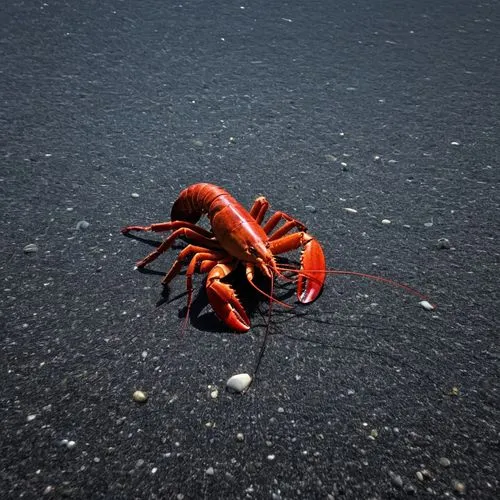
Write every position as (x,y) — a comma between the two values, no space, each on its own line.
(224,300)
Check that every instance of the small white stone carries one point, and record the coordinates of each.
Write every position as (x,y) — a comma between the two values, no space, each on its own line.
(214,394)
(386,221)
(239,382)
(140,396)
(210,471)
(443,243)
(135,195)
(271,457)
(240,436)
(29,418)
(351,210)
(70,445)
(82,225)
(31,248)
(426,305)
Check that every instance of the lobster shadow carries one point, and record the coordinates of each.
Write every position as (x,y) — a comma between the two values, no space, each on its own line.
(201,315)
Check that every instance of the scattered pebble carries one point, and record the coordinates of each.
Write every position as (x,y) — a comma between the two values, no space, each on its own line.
(445,462)
(82,225)
(455,143)
(135,195)
(427,305)
(70,445)
(459,487)
(428,224)
(210,471)
(240,436)
(351,210)
(426,474)
(214,394)
(396,479)
(239,382)
(29,418)
(31,248)
(271,457)
(140,397)
(443,244)
(455,391)
(420,476)
(311,208)
(386,221)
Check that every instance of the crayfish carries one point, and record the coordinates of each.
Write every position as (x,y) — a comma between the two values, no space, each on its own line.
(237,236)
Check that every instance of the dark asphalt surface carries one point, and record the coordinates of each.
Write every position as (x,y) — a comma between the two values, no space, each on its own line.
(387,107)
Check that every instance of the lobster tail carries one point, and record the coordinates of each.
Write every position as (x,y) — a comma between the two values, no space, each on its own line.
(182,211)
(195,201)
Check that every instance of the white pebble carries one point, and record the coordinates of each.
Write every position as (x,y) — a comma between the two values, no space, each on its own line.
(70,445)
(214,394)
(29,418)
(386,221)
(271,457)
(210,471)
(31,248)
(239,382)
(135,195)
(240,436)
(443,243)
(83,224)
(140,396)
(351,210)
(426,305)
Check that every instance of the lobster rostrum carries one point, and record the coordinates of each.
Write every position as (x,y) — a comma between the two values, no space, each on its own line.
(236,237)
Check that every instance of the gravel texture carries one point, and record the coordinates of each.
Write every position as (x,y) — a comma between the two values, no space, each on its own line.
(109,109)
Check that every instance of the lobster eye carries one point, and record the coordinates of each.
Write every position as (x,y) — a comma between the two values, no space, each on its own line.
(252,251)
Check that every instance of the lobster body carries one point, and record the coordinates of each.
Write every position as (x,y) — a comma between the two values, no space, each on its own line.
(233,227)
(236,236)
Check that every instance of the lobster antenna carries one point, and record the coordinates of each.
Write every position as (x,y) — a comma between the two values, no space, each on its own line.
(270,297)
(268,325)
(373,277)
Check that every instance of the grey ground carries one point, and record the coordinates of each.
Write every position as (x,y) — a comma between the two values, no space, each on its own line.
(390,108)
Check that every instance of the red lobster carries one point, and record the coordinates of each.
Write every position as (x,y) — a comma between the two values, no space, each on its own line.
(236,237)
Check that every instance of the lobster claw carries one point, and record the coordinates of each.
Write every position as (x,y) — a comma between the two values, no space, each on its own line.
(224,301)
(312,275)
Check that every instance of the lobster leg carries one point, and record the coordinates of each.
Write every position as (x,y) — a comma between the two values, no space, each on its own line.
(168,226)
(189,251)
(259,209)
(186,233)
(223,299)
(312,276)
